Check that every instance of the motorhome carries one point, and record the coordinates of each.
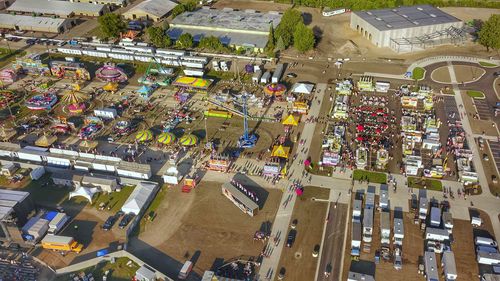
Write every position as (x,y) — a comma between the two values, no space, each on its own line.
(483,241)
(370,200)
(356,210)
(448,221)
(423,208)
(435,216)
(436,234)
(449,266)
(368,225)
(399,232)
(385,227)
(384,198)
(356,239)
(431,270)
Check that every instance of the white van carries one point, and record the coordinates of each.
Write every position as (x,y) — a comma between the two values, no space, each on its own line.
(185,270)
(483,241)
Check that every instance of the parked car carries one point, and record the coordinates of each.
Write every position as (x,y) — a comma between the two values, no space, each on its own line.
(291,238)
(125,220)
(291,75)
(315,252)
(108,224)
(294,224)
(30,41)
(496,73)
(281,274)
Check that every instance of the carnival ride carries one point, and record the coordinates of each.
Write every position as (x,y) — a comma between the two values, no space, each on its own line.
(144,136)
(156,75)
(146,91)
(42,102)
(276,90)
(8,76)
(109,72)
(75,100)
(123,127)
(188,140)
(166,138)
(247,140)
(6,98)
(92,126)
(69,70)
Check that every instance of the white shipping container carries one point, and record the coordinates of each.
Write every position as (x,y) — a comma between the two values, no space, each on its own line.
(58,222)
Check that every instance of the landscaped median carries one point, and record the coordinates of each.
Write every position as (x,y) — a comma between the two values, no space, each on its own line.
(425,183)
(487,64)
(478,95)
(418,73)
(373,177)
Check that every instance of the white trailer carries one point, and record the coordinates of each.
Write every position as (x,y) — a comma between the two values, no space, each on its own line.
(436,234)
(368,225)
(194,72)
(356,239)
(399,231)
(423,208)
(488,258)
(280,68)
(435,216)
(382,86)
(330,12)
(449,266)
(58,222)
(215,65)
(35,228)
(265,78)
(385,227)
(448,221)
(256,77)
(431,270)
(483,241)
(384,197)
(356,210)
(370,200)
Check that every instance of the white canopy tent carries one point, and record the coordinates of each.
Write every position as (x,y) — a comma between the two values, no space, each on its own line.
(171,176)
(139,198)
(302,88)
(84,192)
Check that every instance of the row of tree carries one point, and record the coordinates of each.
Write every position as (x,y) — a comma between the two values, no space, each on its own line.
(377,4)
(290,30)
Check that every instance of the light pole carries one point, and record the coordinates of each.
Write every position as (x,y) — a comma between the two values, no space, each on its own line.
(206,131)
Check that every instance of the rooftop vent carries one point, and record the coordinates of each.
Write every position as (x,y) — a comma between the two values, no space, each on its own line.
(378,18)
(370,13)
(420,9)
(433,15)
(389,26)
(415,23)
(404,16)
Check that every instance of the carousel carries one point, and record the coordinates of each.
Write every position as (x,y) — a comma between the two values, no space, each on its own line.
(109,72)
(42,102)
(75,100)
(276,90)
(92,126)
(144,136)
(166,138)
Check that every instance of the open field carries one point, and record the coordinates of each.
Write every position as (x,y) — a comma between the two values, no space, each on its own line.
(207,226)
(425,183)
(310,215)
(373,177)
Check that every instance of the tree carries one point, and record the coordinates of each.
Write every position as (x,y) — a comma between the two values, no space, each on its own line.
(280,45)
(155,35)
(177,10)
(190,6)
(185,41)
(211,43)
(166,25)
(270,41)
(303,38)
(111,25)
(286,27)
(167,42)
(489,35)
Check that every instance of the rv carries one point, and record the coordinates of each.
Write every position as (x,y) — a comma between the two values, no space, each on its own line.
(435,216)
(449,266)
(385,228)
(368,225)
(399,232)
(423,208)
(370,200)
(448,221)
(224,66)
(384,198)
(431,270)
(185,270)
(483,241)
(278,73)
(476,221)
(356,211)
(488,258)
(356,239)
(436,234)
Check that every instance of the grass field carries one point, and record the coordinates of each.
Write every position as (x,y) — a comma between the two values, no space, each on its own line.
(119,270)
(476,95)
(487,64)
(114,200)
(418,73)
(420,183)
(7,56)
(373,177)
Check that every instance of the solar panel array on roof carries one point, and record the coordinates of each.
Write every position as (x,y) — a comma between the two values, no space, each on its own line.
(405,17)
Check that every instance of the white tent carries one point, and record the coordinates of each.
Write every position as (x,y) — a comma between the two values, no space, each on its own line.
(171,176)
(84,192)
(139,198)
(302,88)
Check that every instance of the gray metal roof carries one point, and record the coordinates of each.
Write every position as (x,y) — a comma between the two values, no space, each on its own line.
(228,19)
(249,203)
(64,8)
(25,22)
(405,17)
(226,37)
(9,199)
(98,179)
(158,8)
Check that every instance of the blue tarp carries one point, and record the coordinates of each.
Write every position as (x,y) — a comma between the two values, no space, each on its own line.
(50,215)
(102,252)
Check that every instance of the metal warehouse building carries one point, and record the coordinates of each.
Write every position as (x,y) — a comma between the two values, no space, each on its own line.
(64,9)
(247,29)
(30,23)
(411,28)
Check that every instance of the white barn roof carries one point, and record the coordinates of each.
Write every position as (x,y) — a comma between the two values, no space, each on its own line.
(157,8)
(139,197)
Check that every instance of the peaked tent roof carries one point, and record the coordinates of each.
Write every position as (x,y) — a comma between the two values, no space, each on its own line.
(45,141)
(280,151)
(302,88)
(139,197)
(84,192)
(290,120)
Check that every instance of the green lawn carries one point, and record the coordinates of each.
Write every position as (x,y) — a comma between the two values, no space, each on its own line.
(373,177)
(117,271)
(487,64)
(418,73)
(476,95)
(7,56)
(420,183)
(114,200)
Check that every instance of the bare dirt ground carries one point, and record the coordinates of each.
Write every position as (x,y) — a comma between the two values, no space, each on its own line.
(441,75)
(206,223)
(298,260)
(467,14)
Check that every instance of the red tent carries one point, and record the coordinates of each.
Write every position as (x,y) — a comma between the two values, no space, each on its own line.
(360,128)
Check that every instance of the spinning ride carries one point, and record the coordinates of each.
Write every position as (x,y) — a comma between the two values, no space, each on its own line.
(275,89)
(156,74)
(111,73)
(247,140)
(75,100)
(42,102)
(92,126)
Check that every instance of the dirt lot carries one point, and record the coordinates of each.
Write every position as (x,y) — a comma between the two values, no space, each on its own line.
(206,224)
(298,260)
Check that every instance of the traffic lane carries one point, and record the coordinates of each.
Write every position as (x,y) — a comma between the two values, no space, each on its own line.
(333,243)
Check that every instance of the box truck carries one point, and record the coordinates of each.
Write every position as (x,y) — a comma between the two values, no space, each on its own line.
(385,228)
(61,243)
(58,222)
(356,239)
(449,266)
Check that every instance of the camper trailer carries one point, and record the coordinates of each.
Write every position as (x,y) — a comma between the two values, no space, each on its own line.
(488,258)
(448,221)
(423,208)
(384,198)
(449,266)
(385,227)
(370,200)
(435,216)
(264,79)
(431,270)
(399,232)
(368,225)
(436,234)
(278,73)
(483,241)
(356,211)
(356,239)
